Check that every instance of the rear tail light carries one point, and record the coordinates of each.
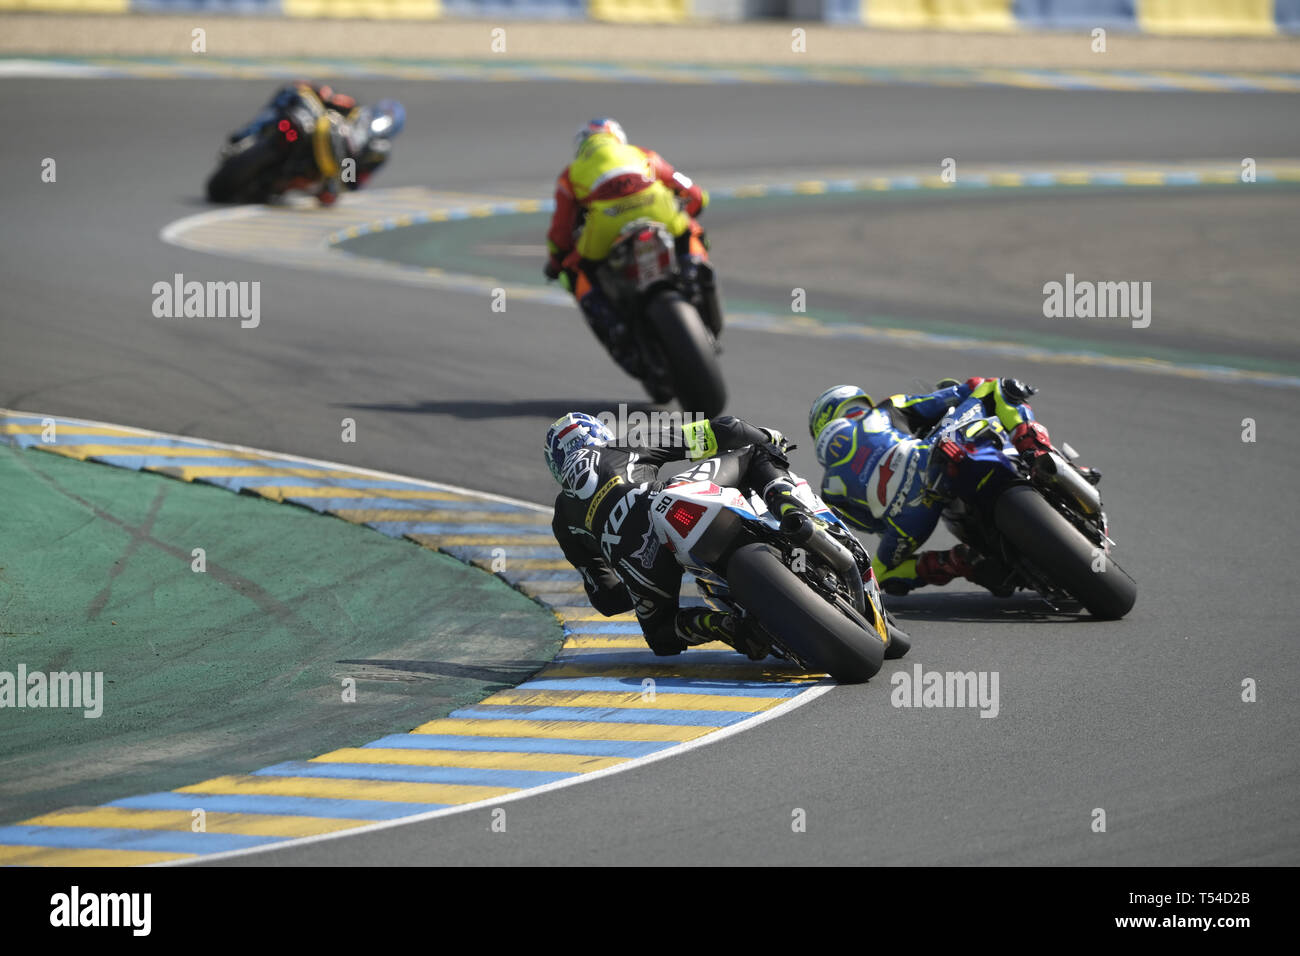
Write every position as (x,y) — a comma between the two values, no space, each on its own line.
(684,515)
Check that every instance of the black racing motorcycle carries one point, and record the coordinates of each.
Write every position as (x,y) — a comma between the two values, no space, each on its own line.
(1044,521)
(672,311)
(295,140)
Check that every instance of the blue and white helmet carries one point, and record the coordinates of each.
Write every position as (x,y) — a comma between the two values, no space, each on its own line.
(602,124)
(835,403)
(567,455)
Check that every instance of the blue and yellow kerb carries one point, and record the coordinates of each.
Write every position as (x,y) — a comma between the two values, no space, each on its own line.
(602,704)
(1202,17)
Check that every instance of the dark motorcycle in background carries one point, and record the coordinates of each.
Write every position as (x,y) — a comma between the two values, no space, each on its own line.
(299,141)
(296,139)
(665,302)
(1044,521)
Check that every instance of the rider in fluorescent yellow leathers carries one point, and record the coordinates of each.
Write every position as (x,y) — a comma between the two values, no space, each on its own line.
(608,185)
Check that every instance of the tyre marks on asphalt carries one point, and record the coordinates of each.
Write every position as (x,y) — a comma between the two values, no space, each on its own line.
(603,705)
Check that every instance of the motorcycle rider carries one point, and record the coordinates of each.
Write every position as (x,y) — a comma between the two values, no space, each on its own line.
(603,523)
(608,185)
(877,473)
(362,134)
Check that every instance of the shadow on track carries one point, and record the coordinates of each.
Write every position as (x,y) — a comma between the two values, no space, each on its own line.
(979,607)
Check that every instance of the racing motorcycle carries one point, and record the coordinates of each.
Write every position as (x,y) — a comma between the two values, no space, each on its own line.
(298,141)
(664,301)
(790,579)
(1044,521)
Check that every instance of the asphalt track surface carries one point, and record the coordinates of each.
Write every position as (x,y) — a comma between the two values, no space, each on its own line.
(1142,718)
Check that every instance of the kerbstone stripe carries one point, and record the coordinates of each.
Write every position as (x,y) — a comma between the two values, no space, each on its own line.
(590,711)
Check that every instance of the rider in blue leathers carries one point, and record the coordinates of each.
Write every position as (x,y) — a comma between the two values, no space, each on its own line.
(877,473)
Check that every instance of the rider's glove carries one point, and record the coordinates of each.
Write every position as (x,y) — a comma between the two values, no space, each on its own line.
(696,200)
(553,268)
(1031,440)
(1016,391)
(774,437)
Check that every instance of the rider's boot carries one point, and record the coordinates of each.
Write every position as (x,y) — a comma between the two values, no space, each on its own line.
(779,496)
(940,567)
(698,625)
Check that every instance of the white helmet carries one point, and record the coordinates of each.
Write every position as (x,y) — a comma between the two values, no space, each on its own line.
(601,124)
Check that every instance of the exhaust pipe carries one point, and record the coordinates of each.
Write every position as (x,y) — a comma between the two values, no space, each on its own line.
(1053,471)
(801,530)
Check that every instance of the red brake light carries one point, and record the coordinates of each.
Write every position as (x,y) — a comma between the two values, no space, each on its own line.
(284,125)
(684,515)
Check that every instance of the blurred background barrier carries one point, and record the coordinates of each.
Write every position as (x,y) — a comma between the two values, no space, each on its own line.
(1192,17)
(1165,17)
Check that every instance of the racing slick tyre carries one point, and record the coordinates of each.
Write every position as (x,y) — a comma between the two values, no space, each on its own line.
(1062,554)
(799,619)
(689,354)
(240,177)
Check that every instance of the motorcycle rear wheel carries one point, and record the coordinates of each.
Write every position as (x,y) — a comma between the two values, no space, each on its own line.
(688,352)
(241,177)
(800,619)
(1059,551)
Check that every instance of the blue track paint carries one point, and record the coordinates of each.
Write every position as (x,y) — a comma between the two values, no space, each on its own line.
(528,745)
(325,807)
(469,776)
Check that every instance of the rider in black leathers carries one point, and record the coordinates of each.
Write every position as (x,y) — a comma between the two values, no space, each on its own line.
(603,524)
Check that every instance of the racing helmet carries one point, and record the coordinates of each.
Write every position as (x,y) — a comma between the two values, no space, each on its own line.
(602,124)
(565,438)
(834,403)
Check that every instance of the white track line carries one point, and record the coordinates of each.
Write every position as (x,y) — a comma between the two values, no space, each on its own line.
(804,697)
(814,690)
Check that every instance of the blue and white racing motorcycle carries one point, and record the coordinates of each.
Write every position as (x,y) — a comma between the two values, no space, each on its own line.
(1043,521)
(791,580)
